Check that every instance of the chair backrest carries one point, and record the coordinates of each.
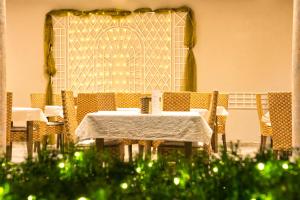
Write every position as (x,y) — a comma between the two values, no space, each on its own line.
(280,107)
(107,101)
(38,100)
(200,100)
(213,110)
(93,102)
(176,101)
(128,100)
(9,99)
(86,103)
(223,100)
(70,120)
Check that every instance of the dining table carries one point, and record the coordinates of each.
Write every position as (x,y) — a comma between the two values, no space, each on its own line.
(186,127)
(24,117)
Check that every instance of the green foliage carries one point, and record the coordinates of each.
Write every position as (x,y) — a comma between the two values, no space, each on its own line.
(87,175)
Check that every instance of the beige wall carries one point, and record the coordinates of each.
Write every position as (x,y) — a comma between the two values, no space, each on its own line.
(243,46)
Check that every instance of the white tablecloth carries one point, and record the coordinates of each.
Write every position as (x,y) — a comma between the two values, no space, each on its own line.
(266,118)
(221,111)
(20,115)
(173,126)
(53,111)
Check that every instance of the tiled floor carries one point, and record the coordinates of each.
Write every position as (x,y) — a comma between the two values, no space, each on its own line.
(19,153)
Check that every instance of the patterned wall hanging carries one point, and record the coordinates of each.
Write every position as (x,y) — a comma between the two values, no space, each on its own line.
(103,53)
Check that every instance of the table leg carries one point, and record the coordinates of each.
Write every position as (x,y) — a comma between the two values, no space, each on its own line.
(214,139)
(141,150)
(130,152)
(148,149)
(216,136)
(29,138)
(188,149)
(100,145)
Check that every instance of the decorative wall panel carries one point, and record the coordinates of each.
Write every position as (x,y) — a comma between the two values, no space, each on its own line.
(137,53)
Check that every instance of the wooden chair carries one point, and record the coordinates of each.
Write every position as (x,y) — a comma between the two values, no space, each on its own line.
(265,130)
(200,100)
(55,126)
(168,148)
(221,120)
(129,100)
(176,101)
(93,102)
(280,107)
(114,147)
(17,134)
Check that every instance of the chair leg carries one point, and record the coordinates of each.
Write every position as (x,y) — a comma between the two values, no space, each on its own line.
(271,141)
(213,142)
(224,142)
(130,152)
(154,150)
(37,146)
(62,142)
(148,150)
(263,140)
(44,142)
(58,141)
(284,155)
(34,148)
(141,150)
(275,154)
(122,152)
(207,149)
(9,152)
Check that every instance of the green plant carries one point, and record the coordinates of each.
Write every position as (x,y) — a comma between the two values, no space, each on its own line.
(87,175)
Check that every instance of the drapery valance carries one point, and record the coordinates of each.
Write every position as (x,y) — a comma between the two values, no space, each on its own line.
(189,40)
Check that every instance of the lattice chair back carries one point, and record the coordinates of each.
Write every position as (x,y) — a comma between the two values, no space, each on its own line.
(264,129)
(213,110)
(200,100)
(38,100)
(9,97)
(128,100)
(280,107)
(223,100)
(86,103)
(176,101)
(70,120)
(107,101)
(146,95)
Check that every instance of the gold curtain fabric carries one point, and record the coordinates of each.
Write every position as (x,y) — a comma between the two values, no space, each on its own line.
(189,40)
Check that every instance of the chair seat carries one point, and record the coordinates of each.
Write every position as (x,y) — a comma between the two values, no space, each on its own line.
(19,134)
(55,123)
(18,129)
